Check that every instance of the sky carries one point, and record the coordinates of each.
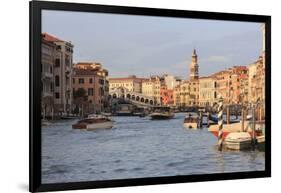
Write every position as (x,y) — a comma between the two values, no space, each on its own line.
(146,45)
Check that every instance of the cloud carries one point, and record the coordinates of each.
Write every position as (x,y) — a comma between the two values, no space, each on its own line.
(216,59)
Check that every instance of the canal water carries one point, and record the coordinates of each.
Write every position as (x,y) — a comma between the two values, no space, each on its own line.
(135,148)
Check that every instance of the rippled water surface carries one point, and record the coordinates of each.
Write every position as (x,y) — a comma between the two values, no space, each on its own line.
(134,148)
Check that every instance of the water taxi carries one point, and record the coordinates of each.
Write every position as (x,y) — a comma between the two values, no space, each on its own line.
(94,122)
(160,113)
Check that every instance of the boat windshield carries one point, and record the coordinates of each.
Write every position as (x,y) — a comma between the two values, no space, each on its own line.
(161,109)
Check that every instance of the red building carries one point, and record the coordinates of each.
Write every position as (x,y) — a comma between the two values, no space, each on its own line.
(166,96)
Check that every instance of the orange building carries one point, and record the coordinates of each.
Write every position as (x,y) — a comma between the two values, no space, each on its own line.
(166,96)
(232,84)
(93,79)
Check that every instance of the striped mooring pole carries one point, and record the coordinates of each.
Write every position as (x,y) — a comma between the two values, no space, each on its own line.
(220,123)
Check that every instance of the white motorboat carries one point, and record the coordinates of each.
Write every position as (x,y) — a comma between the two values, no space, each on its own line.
(94,122)
(191,121)
(238,141)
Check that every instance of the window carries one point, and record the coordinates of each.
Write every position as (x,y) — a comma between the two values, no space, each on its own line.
(81,80)
(57,94)
(57,62)
(90,91)
(52,86)
(57,80)
(90,80)
(73,80)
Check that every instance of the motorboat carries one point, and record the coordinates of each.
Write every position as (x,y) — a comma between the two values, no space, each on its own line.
(161,113)
(93,122)
(261,142)
(238,141)
(191,121)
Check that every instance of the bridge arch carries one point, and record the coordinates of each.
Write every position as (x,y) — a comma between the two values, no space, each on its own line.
(128,96)
(142,100)
(137,98)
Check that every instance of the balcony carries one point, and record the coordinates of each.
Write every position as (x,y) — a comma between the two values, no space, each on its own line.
(47,94)
(47,75)
(67,69)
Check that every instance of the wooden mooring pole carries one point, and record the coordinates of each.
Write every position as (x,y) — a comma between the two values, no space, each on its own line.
(253,126)
(208,121)
(220,124)
(227,114)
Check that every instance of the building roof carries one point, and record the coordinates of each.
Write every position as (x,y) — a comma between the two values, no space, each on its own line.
(127,78)
(50,38)
(205,77)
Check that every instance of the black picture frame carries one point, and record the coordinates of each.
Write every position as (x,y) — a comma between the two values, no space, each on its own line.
(36,7)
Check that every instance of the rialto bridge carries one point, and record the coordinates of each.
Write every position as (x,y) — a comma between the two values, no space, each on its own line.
(135,98)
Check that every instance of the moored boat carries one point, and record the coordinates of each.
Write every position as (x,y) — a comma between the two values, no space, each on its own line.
(227,128)
(238,141)
(161,113)
(191,121)
(45,122)
(261,143)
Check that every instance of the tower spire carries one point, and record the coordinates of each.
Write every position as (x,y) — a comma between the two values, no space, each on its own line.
(194,72)
(194,52)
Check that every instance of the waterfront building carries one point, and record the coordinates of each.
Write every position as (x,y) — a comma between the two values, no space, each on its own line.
(177,95)
(238,84)
(257,81)
(185,94)
(151,87)
(194,92)
(207,91)
(48,57)
(166,95)
(232,84)
(251,84)
(92,78)
(222,84)
(131,83)
(62,68)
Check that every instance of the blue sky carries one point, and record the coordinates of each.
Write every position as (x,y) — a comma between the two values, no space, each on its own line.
(145,45)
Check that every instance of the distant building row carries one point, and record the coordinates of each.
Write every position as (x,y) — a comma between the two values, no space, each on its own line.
(237,85)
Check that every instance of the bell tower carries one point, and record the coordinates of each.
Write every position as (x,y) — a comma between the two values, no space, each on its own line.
(194,71)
